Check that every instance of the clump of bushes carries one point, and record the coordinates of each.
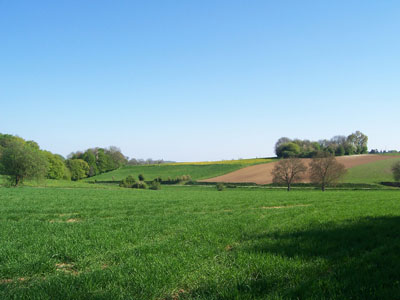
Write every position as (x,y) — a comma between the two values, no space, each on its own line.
(141,177)
(140,185)
(128,182)
(220,186)
(178,179)
(155,185)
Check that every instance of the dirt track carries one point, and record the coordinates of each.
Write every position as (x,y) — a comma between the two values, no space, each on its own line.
(261,174)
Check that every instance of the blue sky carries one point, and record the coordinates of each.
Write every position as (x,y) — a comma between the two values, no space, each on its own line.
(198,80)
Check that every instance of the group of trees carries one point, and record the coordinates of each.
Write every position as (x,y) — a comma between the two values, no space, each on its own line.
(20,159)
(95,161)
(355,143)
(324,170)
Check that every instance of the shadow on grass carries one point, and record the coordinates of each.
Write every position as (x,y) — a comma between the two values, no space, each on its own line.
(356,260)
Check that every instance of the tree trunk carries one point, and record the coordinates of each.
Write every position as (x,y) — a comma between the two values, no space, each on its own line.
(288,187)
(17,179)
(323,187)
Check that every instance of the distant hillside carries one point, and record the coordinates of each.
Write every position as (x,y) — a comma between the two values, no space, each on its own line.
(372,173)
(197,170)
(367,168)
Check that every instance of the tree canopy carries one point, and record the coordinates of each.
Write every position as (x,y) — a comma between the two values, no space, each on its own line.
(20,160)
(288,171)
(355,143)
(326,170)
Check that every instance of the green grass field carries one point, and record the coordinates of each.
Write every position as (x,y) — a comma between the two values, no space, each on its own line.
(372,173)
(198,243)
(196,171)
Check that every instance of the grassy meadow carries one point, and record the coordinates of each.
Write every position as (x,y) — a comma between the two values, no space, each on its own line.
(198,243)
(372,173)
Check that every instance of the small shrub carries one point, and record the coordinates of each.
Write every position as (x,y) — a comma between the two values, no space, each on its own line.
(155,185)
(141,177)
(220,186)
(140,185)
(128,182)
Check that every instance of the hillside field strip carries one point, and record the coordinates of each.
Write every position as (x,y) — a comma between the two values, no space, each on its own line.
(197,170)
(262,173)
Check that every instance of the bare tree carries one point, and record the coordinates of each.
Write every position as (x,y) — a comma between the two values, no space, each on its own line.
(396,171)
(288,171)
(326,170)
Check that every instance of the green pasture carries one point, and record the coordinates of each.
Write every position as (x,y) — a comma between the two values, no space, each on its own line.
(198,243)
(371,173)
(197,171)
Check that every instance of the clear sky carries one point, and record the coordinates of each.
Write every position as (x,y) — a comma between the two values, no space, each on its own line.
(198,80)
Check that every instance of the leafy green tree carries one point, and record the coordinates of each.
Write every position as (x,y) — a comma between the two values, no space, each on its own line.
(20,161)
(359,142)
(340,151)
(90,158)
(56,166)
(117,159)
(396,171)
(104,164)
(279,143)
(288,150)
(79,168)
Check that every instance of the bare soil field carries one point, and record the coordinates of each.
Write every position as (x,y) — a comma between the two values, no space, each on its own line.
(261,174)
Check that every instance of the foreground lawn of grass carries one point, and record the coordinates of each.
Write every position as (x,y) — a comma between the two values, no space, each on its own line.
(198,243)
(372,173)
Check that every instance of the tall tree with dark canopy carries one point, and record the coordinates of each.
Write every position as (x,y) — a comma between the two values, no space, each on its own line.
(326,170)
(288,171)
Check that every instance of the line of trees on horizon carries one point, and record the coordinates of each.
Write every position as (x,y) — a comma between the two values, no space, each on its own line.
(355,143)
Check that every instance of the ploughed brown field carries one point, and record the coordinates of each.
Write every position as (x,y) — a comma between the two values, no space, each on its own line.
(262,174)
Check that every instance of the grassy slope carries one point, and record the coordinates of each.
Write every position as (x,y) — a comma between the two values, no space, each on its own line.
(198,243)
(372,173)
(195,170)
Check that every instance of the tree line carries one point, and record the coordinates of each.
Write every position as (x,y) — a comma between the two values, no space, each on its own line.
(20,160)
(355,143)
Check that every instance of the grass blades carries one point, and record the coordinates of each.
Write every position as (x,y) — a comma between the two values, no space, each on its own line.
(198,243)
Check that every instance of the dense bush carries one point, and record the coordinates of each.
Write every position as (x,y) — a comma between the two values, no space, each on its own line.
(140,185)
(178,179)
(128,182)
(155,185)
(141,177)
(220,186)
